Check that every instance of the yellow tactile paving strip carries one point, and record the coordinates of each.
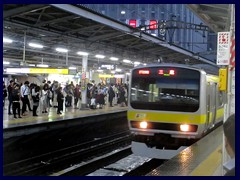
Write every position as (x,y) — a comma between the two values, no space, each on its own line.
(209,166)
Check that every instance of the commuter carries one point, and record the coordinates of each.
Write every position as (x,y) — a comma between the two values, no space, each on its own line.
(100,97)
(36,98)
(10,89)
(122,99)
(55,91)
(89,89)
(16,100)
(111,95)
(25,91)
(44,98)
(50,94)
(60,100)
(4,94)
(77,95)
(229,133)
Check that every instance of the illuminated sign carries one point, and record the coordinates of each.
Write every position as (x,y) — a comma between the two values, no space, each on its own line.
(107,66)
(111,76)
(169,73)
(106,76)
(144,72)
(133,22)
(153,24)
(37,70)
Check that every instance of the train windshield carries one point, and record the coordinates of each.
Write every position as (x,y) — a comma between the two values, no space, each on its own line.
(163,91)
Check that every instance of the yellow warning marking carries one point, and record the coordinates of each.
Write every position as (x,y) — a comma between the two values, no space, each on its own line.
(209,165)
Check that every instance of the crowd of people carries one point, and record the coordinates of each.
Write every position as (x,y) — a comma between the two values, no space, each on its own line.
(30,96)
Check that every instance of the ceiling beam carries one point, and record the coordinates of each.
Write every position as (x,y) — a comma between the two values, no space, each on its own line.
(23,9)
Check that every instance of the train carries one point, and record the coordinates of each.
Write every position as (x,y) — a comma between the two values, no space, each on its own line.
(171,106)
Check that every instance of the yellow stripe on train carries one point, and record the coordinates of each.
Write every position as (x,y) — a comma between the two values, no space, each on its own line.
(171,118)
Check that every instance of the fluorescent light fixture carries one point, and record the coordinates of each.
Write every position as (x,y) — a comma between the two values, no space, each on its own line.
(126,61)
(113,72)
(118,70)
(82,53)
(35,45)
(100,56)
(5,62)
(32,65)
(72,68)
(42,65)
(17,70)
(114,58)
(61,50)
(145,64)
(7,40)
(136,63)
(123,12)
(99,70)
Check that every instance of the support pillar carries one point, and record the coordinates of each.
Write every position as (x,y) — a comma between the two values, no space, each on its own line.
(84,82)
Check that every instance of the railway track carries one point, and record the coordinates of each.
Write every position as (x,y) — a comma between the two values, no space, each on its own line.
(51,162)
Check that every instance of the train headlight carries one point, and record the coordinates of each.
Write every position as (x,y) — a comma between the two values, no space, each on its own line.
(143,125)
(184,127)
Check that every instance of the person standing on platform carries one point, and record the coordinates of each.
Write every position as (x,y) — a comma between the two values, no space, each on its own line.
(60,100)
(229,133)
(16,101)
(4,94)
(44,98)
(25,91)
(10,89)
(36,98)
(111,95)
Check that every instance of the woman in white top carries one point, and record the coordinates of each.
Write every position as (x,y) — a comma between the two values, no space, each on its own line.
(44,98)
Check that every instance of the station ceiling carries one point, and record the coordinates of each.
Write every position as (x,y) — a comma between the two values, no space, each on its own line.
(79,29)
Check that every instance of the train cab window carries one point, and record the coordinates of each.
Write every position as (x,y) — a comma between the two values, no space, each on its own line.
(166,93)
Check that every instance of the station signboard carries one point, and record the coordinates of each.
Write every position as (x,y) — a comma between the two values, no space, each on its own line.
(223,48)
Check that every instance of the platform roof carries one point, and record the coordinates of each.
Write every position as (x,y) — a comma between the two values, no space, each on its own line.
(78,28)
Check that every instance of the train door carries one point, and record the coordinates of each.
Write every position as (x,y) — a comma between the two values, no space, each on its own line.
(214,102)
(208,105)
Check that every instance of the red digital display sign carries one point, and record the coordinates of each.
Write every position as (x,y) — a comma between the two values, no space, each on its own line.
(143,72)
(153,24)
(133,22)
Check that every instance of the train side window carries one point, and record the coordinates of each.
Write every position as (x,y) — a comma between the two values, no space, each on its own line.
(220,98)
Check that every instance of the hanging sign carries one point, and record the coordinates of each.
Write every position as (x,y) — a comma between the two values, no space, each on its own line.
(223,48)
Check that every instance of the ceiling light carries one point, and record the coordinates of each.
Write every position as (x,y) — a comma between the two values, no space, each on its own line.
(6,40)
(99,70)
(32,65)
(123,12)
(113,72)
(100,56)
(72,68)
(136,63)
(82,53)
(42,65)
(127,61)
(35,45)
(5,62)
(61,50)
(118,70)
(114,58)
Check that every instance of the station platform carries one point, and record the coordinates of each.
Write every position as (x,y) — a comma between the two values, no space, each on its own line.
(203,158)
(51,116)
